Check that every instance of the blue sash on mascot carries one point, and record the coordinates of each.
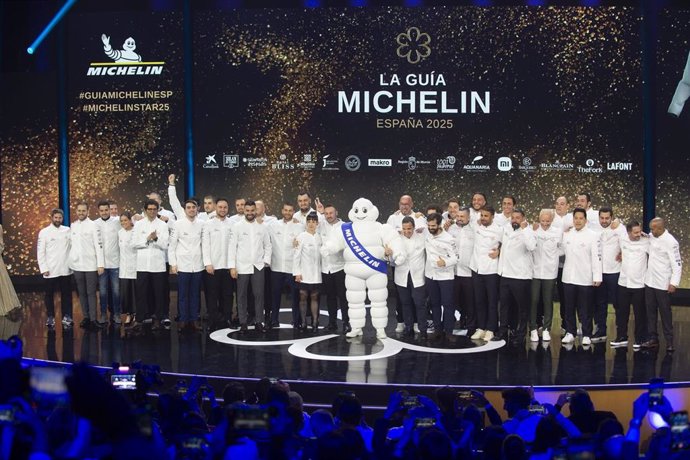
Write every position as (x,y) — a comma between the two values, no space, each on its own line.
(360,252)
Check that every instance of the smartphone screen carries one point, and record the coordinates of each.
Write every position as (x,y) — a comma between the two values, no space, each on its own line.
(48,384)
(124,381)
(656,392)
(680,431)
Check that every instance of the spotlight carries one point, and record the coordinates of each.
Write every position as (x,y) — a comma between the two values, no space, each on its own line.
(68,4)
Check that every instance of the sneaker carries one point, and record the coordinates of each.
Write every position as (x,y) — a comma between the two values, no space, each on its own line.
(67,321)
(415,327)
(488,336)
(619,342)
(599,338)
(478,334)
(586,341)
(569,338)
(400,328)
(545,336)
(166,323)
(636,346)
(117,320)
(50,322)
(534,335)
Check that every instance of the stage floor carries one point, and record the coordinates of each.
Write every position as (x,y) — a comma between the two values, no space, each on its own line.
(291,355)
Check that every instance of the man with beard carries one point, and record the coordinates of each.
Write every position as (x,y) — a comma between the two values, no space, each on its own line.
(109,281)
(239,211)
(215,238)
(409,278)
(478,202)
(53,262)
(463,233)
(249,252)
(439,274)
(283,234)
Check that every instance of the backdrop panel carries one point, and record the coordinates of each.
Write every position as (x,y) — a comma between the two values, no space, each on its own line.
(436,102)
(126,105)
(673,129)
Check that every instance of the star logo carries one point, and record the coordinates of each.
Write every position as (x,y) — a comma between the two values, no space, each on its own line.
(413,45)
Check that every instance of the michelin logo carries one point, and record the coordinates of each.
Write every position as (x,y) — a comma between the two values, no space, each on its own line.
(125,61)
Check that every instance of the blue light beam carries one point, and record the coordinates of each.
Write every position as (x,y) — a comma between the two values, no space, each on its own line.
(65,8)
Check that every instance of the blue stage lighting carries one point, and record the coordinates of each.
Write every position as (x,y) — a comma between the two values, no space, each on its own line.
(312,3)
(34,46)
(413,3)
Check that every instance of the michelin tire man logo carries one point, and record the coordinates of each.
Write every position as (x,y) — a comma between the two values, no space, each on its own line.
(682,92)
(363,242)
(126,54)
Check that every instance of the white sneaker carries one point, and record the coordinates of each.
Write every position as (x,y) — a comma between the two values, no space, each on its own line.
(586,341)
(478,334)
(381,334)
(569,338)
(400,328)
(67,321)
(50,322)
(488,336)
(545,336)
(534,336)
(415,328)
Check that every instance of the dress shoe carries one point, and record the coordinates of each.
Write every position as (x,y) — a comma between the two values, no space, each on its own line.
(408,333)
(243,329)
(651,343)
(258,327)
(332,327)
(670,348)
(346,327)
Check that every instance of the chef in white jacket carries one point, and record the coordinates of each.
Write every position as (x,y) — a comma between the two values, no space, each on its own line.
(463,233)
(150,239)
(515,269)
(283,234)
(186,261)
(545,261)
(664,269)
(215,240)
(86,261)
(128,267)
(582,271)
(409,278)
(439,274)
(248,253)
(109,281)
(53,250)
(306,268)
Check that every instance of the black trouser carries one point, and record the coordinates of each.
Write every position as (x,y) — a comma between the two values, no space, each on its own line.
(128,295)
(486,300)
(218,289)
(334,287)
(561,302)
(153,298)
(441,295)
(278,281)
(658,300)
(515,297)
(606,293)
(580,299)
(413,302)
(64,285)
(627,296)
(464,298)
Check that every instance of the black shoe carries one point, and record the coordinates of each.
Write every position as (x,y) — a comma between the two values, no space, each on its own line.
(315,327)
(517,340)
(598,338)
(501,335)
(243,328)
(84,323)
(258,327)
(268,326)
(670,348)
(408,333)
(423,335)
(621,341)
(234,324)
(651,343)
(332,327)
(346,327)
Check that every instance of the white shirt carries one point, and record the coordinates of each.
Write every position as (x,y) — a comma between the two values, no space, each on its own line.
(395,221)
(307,258)
(501,219)
(665,265)
(333,263)
(562,222)
(593,220)
(611,248)
(109,236)
(86,251)
(283,235)
(516,253)
(151,255)
(441,245)
(546,255)
(235,218)
(486,239)
(128,255)
(634,264)
(184,249)
(165,213)
(582,257)
(250,247)
(215,239)
(415,260)
(464,243)
(53,251)
(267,220)
(302,217)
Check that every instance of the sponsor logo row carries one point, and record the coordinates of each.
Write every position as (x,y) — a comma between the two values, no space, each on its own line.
(353,163)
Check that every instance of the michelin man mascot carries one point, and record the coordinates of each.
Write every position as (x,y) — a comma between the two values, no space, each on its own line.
(364,242)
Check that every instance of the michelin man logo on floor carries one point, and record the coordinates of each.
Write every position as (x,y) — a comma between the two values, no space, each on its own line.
(363,242)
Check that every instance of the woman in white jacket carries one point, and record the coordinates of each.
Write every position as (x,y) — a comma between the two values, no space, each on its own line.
(306,268)
(128,268)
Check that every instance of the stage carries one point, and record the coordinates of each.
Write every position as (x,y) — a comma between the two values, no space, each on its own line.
(333,358)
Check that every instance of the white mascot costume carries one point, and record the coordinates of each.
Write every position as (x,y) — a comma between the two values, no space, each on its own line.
(363,242)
